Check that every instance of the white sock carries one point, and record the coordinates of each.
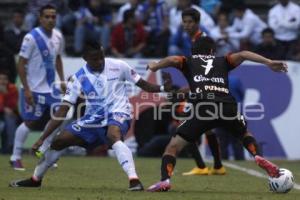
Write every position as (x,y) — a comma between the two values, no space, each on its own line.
(50,157)
(125,159)
(47,142)
(20,137)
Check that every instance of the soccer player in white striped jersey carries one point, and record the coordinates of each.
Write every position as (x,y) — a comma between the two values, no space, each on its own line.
(40,57)
(102,81)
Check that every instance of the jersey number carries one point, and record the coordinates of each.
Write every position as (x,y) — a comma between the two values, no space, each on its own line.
(208,65)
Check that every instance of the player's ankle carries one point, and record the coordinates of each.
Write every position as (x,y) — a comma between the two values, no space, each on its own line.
(166,180)
(36,179)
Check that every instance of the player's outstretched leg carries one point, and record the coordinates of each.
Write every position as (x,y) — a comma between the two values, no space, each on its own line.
(50,157)
(124,157)
(62,141)
(250,144)
(168,164)
(46,145)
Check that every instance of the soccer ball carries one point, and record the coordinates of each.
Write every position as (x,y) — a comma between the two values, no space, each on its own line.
(282,184)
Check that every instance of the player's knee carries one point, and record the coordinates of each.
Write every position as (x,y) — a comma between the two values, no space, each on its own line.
(114,136)
(58,144)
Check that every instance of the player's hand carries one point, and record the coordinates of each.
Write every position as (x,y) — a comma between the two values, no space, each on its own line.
(168,82)
(29,97)
(278,66)
(35,147)
(151,66)
(63,87)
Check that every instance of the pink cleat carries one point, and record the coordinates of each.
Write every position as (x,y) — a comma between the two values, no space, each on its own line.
(161,186)
(271,168)
(17,165)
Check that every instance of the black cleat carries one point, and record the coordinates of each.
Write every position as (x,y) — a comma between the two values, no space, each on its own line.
(135,185)
(26,183)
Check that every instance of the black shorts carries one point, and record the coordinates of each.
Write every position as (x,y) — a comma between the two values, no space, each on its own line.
(208,116)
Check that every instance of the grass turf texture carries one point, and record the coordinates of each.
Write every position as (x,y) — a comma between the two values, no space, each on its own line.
(87,178)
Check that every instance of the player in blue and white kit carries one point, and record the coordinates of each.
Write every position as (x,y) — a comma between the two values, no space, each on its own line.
(40,57)
(107,116)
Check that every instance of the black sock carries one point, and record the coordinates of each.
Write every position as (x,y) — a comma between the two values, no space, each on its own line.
(194,151)
(167,166)
(214,146)
(250,144)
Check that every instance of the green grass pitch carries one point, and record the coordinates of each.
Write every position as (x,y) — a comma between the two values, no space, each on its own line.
(98,178)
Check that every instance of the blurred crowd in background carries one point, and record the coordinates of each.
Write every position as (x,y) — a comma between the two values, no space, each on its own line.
(152,28)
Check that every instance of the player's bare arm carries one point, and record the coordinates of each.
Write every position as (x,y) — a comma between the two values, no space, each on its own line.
(60,72)
(276,66)
(149,87)
(22,74)
(170,61)
(53,124)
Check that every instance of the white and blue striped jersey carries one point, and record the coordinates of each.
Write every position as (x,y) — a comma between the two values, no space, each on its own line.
(105,92)
(36,73)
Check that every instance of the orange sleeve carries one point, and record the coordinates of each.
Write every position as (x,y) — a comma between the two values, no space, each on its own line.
(230,61)
(181,60)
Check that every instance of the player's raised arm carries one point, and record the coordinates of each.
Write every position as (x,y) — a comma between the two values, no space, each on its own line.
(149,87)
(170,61)
(132,76)
(237,58)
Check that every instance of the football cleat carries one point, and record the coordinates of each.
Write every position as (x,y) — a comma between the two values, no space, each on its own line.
(135,185)
(161,186)
(26,183)
(197,171)
(220,171)
(39,154)
(17,165)
(271,168)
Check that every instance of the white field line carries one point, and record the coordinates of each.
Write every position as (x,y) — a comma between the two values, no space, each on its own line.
(252,172)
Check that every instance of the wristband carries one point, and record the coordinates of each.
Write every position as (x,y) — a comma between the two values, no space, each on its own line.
(162,88)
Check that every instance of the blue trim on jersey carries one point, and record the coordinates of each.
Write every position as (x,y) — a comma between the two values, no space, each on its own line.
(91,94)
(48,60)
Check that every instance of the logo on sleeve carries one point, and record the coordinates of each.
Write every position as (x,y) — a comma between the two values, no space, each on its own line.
(133,73)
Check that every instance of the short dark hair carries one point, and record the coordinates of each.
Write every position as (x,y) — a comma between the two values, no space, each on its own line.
(267,30)
(130,13)
(204,45)
(91,46)
(45,7)
(192,12)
